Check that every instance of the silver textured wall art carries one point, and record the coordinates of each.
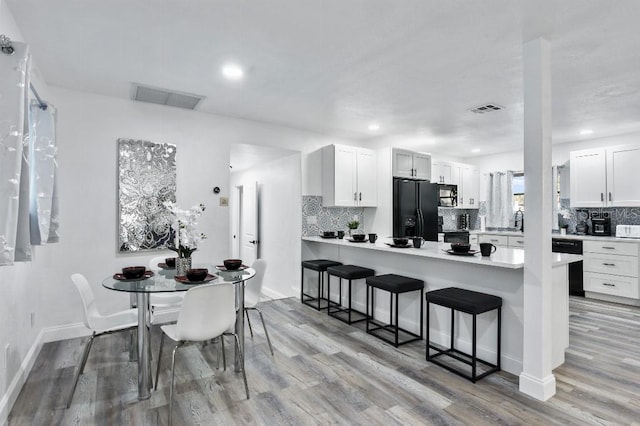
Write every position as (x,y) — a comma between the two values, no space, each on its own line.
(146,179)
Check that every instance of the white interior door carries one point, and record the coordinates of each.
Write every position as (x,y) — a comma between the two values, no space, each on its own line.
(249,219)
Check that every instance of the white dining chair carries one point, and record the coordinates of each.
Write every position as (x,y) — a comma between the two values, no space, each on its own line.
(252,292)
(208,311)
(99,324)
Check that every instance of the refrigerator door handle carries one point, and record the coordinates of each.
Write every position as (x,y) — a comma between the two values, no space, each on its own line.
(420,223)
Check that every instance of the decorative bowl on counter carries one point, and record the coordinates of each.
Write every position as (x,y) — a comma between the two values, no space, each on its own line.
(328,234)
(358,237)
(400,241)
(232,264)
(460,247)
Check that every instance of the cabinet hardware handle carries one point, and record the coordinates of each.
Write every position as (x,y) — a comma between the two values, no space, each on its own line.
(520,242)
(495,241)
(608,264)
(361,196)
(610,197)
(609,285)
(355,196)
(608,248)
(602,197)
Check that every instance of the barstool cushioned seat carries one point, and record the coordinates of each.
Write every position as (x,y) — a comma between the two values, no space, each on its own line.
(348,272)
(469,302)
(319,265)
(395,285)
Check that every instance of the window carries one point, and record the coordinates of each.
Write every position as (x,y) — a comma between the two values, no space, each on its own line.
(518,191)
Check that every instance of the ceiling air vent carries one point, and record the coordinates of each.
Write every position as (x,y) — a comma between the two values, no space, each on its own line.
(482,109)
(165,97)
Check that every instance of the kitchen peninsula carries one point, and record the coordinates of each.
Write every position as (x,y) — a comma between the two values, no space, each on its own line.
(501,275)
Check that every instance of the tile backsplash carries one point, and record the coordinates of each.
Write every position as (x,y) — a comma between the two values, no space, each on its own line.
(450,218)
(316,218)
(618,215)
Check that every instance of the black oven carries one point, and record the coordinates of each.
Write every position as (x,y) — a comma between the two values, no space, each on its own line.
(456,237)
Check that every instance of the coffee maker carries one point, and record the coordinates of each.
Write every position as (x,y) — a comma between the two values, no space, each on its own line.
(601,226)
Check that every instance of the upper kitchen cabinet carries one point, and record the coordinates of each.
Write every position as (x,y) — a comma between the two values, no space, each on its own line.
(409,164)
(469,187)
(349,177)
(605,177)
(445,172)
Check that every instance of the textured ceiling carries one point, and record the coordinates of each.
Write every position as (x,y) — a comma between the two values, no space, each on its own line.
(334,66)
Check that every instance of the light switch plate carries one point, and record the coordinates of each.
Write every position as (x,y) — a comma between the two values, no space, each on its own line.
(224,201)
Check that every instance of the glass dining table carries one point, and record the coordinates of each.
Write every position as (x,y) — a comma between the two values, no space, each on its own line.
(163,282)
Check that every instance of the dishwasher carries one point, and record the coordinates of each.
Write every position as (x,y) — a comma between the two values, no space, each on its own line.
(570,246)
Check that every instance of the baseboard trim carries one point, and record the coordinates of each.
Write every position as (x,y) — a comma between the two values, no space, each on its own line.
(540,389)
(49,334)
(271,294)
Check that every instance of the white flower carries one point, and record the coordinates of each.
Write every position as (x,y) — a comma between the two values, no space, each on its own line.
(187,238)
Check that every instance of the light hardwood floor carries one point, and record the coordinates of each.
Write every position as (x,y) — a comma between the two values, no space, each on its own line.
(327,372)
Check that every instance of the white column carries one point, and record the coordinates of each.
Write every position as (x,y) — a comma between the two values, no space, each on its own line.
(537,379)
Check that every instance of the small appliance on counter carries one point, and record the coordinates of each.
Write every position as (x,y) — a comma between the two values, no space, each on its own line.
(601,226)
(628,231)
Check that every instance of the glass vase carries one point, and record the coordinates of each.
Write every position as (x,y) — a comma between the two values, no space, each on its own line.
(182,265)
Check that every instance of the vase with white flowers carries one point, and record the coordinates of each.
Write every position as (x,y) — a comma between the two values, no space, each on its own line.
(186,238)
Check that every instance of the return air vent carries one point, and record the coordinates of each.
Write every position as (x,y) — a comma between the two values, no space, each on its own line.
(165,97)
(482,109)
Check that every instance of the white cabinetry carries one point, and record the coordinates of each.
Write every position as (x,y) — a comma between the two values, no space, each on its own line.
(469,187)
(445,172)
(611,268)
(409,164)
(349,176)
(605,177)
(496,240)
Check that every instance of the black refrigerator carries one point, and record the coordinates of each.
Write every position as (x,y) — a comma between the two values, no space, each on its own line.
(415,209)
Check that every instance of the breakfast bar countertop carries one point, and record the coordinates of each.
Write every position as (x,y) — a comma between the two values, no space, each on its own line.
(512,258)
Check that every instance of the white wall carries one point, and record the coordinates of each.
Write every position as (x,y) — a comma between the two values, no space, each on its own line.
(280,221)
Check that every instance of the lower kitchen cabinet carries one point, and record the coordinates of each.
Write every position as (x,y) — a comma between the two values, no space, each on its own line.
(496,240)
(611,268)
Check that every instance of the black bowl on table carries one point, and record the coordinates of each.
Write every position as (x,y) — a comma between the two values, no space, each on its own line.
(400,241)
(197,274)
(358,237)
(232,264)
(170,262)
(133,272)
(328,234)
(460,247)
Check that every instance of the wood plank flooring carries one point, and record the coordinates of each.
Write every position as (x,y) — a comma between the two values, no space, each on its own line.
(327,372)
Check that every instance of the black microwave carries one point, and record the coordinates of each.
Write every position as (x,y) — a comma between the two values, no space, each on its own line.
(448,195)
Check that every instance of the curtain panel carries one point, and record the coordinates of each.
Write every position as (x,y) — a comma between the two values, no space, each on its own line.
(500,200)
(13,86)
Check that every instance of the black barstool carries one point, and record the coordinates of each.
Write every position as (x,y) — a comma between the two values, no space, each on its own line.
(319,265)
(348,272)
(395,285)
(473,303)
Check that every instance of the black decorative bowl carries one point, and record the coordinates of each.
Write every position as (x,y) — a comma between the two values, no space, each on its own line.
(198,274)
(328,234)
(133,272)
(460,247)
(232,264)
(170,262)
(358,237)
(401,241)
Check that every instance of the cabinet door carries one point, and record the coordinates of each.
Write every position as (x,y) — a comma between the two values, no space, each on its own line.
(588,178)
(345,176)
(367,178)
(469,188)
(402,163)
(622,176)
(421,166)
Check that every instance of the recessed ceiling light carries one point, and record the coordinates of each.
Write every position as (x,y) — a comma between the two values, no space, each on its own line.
(586,132)
(232,72)
(374,127)
(475,150)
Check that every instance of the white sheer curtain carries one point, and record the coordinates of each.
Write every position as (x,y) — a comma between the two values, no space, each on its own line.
(14,83)
(500,199)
